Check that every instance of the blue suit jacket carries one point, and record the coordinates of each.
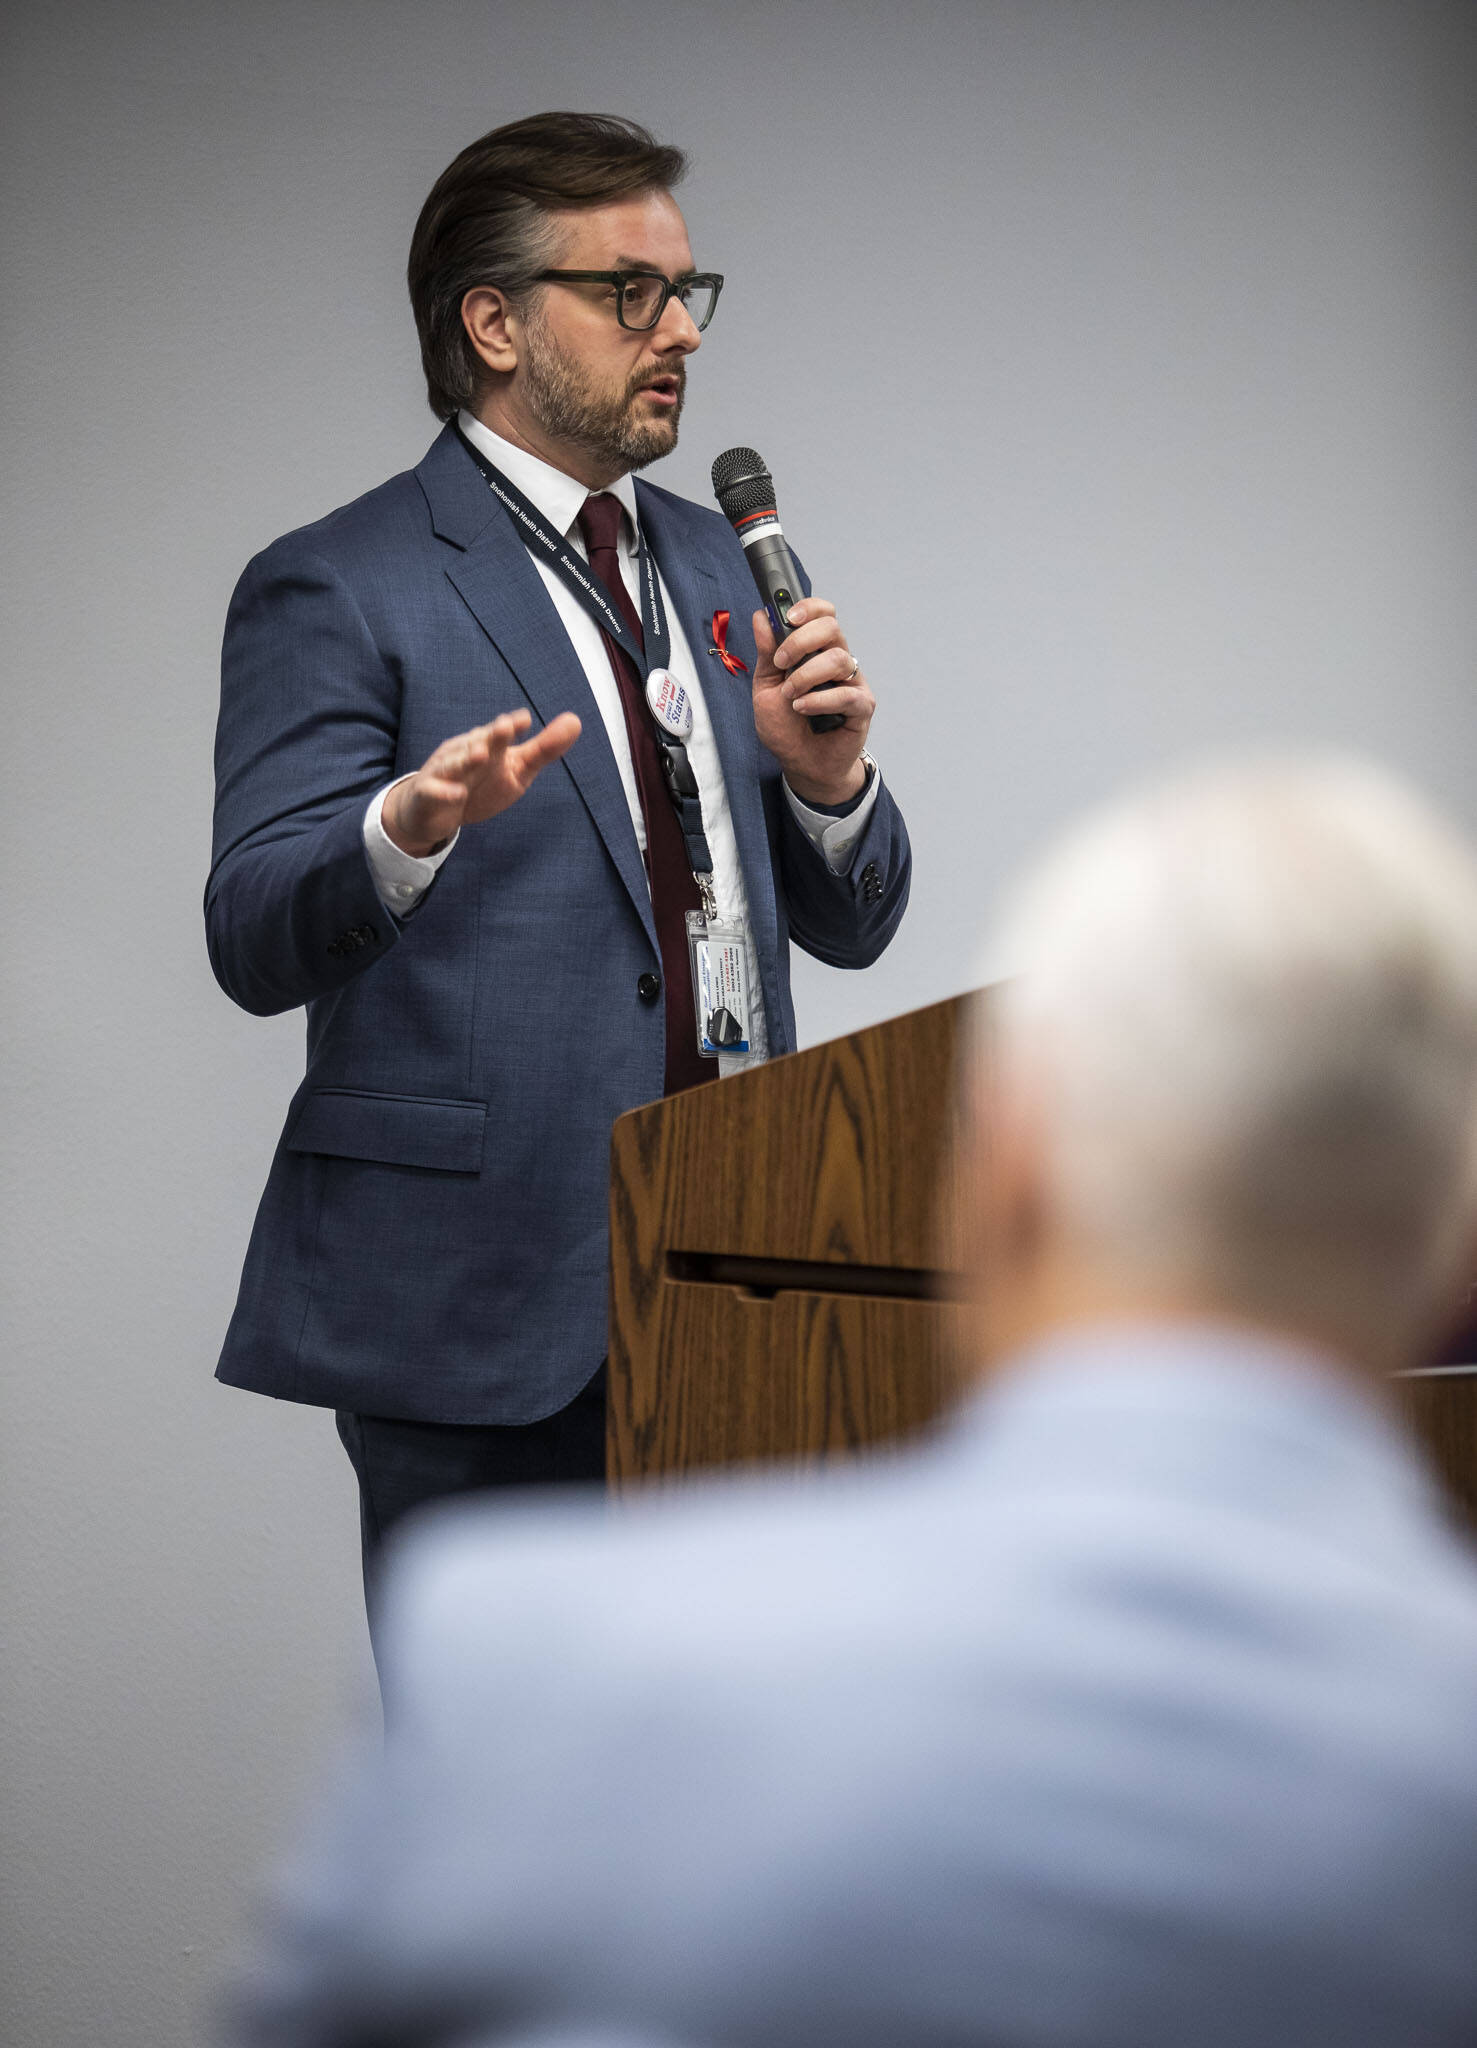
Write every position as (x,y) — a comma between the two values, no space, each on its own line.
(432,1241)
(1138,1712)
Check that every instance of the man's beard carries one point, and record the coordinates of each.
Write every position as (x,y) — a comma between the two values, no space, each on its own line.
(567,408)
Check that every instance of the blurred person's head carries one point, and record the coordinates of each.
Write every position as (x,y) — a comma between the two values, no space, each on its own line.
(1235,1071)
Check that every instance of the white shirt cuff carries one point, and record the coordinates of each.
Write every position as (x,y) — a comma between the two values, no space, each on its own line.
(401,878)
(834,839)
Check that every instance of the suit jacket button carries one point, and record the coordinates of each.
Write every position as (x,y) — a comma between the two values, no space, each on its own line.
(649,987)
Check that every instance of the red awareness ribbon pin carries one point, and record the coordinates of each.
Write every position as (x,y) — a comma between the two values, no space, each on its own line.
(731,662)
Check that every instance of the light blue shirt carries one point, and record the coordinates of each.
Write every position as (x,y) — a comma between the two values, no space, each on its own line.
(1139,1710)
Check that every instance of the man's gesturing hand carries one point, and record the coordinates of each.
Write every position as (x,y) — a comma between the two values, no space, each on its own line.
(821,767)
(472,777)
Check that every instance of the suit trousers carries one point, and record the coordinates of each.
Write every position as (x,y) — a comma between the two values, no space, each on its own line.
(404,1465)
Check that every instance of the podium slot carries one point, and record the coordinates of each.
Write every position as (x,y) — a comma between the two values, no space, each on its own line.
(765,1278)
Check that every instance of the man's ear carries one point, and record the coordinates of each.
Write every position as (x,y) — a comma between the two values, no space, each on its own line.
(1019,1176)
(494,329)
(1009,1207)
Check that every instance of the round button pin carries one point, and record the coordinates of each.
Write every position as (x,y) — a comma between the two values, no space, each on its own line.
(669,702)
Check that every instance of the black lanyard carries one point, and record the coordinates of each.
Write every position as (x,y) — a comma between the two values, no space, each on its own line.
(575,573)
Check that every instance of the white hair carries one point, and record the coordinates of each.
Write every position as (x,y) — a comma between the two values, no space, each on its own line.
(1246,1009)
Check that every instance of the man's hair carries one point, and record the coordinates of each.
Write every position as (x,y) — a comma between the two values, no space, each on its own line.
(487,222)
(1247,1014)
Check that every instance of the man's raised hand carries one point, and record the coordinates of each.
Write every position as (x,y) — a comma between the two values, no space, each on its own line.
(472,777)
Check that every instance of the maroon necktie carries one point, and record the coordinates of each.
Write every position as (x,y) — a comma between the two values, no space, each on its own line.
(673,890)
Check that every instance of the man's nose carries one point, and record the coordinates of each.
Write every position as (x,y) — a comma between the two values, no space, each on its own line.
(677,328)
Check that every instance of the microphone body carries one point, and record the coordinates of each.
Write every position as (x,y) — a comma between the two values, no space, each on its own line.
(745,491)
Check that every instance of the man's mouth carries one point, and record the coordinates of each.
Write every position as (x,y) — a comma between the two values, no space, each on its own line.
(665,390)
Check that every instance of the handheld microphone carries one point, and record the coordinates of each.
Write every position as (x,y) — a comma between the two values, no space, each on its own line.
(744,489)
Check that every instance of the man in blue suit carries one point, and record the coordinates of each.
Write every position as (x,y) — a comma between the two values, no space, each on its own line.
(1139,1710)
(443,823)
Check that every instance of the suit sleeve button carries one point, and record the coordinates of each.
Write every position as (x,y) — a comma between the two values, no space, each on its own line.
(649,987)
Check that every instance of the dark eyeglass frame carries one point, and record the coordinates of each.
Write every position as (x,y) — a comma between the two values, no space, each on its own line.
(672,287)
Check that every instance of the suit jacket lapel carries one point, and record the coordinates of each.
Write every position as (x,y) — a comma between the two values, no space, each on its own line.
(699,579)
(496,578)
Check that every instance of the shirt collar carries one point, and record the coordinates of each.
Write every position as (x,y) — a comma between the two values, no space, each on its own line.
(557,496)
(1214,1382)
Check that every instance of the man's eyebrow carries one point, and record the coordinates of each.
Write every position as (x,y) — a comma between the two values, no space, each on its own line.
(645,263)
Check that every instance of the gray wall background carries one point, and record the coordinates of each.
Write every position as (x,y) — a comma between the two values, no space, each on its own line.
(1116,365)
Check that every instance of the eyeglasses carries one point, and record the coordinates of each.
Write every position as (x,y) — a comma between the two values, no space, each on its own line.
(641,295)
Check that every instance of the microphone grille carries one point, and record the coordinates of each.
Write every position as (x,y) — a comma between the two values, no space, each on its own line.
(741,483)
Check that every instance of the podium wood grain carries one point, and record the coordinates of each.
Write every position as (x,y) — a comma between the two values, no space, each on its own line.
(784,1249)
(830,1158)
(1441,1408)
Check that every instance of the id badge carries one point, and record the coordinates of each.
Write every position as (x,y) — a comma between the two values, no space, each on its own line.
(720,985)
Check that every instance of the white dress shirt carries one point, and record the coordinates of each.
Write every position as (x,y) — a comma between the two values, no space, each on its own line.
(402,878)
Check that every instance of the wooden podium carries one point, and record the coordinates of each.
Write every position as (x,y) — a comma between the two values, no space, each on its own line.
(785,1277)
